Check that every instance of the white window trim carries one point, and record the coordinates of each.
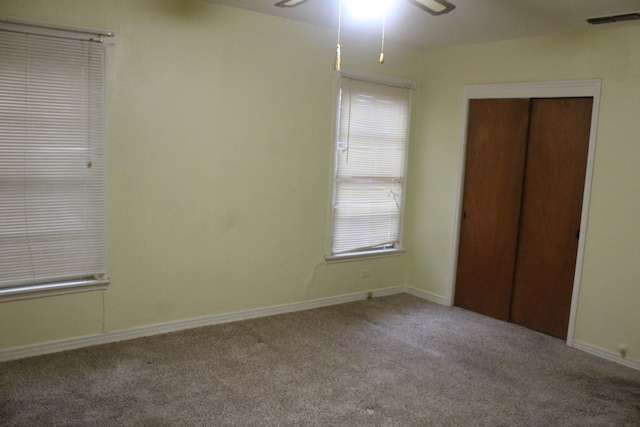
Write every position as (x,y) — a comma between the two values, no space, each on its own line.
(373,78)
(51,289)
(21,292)
(54,30)
(384,80)
(355,256)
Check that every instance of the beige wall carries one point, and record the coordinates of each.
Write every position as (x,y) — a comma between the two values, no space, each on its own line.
(608,313)
(220,133)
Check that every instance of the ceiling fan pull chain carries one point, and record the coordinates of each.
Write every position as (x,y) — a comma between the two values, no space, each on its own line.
(384,18)
(337,64)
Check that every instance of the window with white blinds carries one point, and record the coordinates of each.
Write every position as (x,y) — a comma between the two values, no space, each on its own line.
(370,167)
(52,162)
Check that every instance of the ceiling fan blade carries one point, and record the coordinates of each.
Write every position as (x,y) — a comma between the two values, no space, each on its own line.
(289,3)
(434,7)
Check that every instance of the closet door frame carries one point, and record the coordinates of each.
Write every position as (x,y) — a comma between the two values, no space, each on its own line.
(551,89)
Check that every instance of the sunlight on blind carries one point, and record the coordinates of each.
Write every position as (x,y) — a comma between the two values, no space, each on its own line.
(370,165)
(52,189)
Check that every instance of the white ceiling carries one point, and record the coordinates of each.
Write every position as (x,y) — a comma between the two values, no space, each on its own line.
(473,21)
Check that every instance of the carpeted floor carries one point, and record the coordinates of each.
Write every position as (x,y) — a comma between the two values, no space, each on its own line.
(392,361)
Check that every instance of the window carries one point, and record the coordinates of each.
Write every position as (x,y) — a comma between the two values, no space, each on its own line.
(370,167)
(52,162)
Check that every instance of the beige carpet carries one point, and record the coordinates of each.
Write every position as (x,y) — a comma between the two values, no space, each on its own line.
(392,361)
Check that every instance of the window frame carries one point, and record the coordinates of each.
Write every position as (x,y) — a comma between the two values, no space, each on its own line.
(87,283)
(369,253)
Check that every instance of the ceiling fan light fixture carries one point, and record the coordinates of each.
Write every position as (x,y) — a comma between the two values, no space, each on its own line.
(289,3)
(434,7)
(368,8)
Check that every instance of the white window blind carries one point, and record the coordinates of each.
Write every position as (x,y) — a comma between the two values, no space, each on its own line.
(52,160)
(371,157)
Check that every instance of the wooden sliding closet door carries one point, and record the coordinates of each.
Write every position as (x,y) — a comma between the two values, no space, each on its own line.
(551,211)
(496,147)
(522,206)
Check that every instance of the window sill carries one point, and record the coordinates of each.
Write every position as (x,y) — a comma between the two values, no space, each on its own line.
(50,289)
(363,255)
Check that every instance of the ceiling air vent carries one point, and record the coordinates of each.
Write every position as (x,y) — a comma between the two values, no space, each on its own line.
(611,19)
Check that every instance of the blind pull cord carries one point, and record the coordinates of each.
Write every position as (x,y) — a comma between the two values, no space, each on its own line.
(337,63)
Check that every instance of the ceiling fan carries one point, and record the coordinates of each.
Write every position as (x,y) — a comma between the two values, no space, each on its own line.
(434,7)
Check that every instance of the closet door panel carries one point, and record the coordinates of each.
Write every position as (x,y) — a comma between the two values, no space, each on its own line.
(496,147)
(551,213)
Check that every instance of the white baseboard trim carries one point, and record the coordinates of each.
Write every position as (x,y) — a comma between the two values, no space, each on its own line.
(426,295)
(385,292)
(606,354)
(162,328)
